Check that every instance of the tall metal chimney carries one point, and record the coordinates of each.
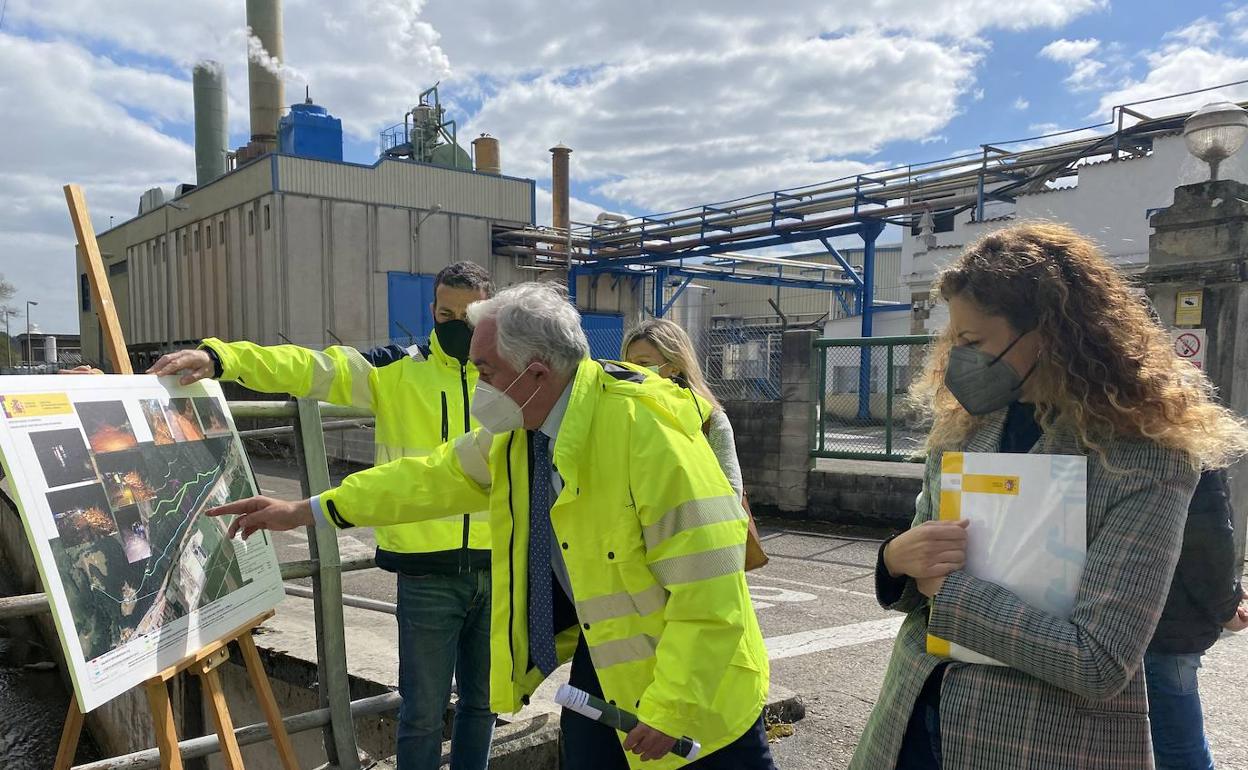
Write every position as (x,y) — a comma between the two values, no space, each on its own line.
(211,135)
(559,186)
(266,91)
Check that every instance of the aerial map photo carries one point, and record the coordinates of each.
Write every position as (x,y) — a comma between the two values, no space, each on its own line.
(135,551)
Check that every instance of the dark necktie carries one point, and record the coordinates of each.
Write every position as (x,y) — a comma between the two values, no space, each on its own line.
(541,610)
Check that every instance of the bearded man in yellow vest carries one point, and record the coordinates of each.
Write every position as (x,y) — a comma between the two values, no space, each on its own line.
(617,541)
(420,397)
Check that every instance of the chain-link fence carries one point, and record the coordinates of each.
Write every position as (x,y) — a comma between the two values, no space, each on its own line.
(861,410)
(741,363)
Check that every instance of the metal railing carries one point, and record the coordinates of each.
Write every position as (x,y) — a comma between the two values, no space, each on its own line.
(859,410)
(336,710)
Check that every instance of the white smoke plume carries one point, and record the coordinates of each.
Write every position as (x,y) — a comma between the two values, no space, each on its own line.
(256,53)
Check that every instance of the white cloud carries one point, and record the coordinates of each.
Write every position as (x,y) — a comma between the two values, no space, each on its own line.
(669,130)
(1021,104)
(1069,51)
(67,131)
(1190,58)
(665,105)
(1086,72)
(1201,32)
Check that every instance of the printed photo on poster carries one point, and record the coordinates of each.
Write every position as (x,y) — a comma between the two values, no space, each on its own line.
(211,416)
(82,514)
(107,426)
(63,456)
(183,420)
(157,417)
(128,477)
(132,524)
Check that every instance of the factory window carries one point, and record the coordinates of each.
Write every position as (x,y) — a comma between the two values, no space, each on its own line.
(267,222)
(197,239)
(251,223)
(221,232)
(119,268)
(208,235)
(84,288)
(177,244)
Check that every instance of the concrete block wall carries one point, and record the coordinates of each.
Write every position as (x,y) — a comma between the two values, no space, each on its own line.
(756,426)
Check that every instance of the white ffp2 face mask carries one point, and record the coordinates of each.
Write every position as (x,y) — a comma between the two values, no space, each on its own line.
(495,410)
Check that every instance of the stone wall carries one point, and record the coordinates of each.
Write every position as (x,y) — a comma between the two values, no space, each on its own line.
(756,425)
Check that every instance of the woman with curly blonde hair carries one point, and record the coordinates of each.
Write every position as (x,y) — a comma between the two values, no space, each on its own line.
(1047,350)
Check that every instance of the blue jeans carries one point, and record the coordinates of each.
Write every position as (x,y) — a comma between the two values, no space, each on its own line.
(1174,712)
(444,627)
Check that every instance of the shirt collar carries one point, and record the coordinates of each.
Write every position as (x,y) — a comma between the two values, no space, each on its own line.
(553,420)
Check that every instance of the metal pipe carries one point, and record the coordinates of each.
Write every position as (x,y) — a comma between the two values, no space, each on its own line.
(283,430)
(559,194)
(348,600)
(265,88)
(282,409)
(193,748)
(36,604)
(211,118)
(295,570)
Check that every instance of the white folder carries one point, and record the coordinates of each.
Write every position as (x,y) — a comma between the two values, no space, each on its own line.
(1028,530)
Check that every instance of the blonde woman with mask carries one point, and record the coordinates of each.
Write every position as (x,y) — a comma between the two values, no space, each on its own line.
(1047,351)
(664,348)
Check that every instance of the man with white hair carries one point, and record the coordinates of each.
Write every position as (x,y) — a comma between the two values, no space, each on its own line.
(617,540)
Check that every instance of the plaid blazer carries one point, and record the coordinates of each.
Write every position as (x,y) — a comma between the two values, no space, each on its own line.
(1072,694)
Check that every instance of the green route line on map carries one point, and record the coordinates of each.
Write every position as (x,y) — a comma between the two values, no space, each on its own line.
(176,502)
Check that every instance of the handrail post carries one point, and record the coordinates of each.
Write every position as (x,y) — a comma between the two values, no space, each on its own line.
(888,405)
(333,684)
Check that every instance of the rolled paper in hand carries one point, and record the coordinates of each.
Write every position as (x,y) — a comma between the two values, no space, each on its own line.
(600,711)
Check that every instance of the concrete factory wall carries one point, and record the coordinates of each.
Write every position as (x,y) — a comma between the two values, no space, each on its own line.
(256,254)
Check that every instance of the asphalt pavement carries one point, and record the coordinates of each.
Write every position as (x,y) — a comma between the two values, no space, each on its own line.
(827,638)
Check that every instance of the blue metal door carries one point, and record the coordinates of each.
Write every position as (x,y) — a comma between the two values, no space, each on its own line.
(409,296)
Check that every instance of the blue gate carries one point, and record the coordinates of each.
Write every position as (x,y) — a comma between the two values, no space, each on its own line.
(409,296)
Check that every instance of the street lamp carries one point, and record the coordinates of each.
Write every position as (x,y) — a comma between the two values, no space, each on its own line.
(1215,132)
(30,348)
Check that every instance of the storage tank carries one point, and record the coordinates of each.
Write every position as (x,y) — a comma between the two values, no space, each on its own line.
(485,149)
(266,91)
(49,349)
(692,312)
(309,131)
(211,120)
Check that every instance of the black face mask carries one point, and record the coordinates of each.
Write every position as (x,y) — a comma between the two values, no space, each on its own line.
(455,337)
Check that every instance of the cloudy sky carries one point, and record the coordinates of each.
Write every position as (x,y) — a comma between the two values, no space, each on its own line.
(666,104)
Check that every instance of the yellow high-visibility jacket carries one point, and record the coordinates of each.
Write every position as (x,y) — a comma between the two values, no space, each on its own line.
(652,536)
(420,401)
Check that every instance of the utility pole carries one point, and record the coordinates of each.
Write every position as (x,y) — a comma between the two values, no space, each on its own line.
(8,337)
(30,348)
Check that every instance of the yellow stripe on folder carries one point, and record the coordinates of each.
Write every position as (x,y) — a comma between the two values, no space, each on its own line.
(951,462)
(950,505)
(990,485)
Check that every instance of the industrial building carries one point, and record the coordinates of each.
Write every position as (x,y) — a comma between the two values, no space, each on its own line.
(280,240)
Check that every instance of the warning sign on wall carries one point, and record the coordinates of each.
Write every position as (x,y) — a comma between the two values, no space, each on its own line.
(1190,344)
(1187,311)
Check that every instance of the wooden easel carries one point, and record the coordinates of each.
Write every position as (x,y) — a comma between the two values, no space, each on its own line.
(203,662)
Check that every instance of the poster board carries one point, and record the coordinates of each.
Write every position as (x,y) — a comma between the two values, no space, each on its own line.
(112,475)
(1028,528)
